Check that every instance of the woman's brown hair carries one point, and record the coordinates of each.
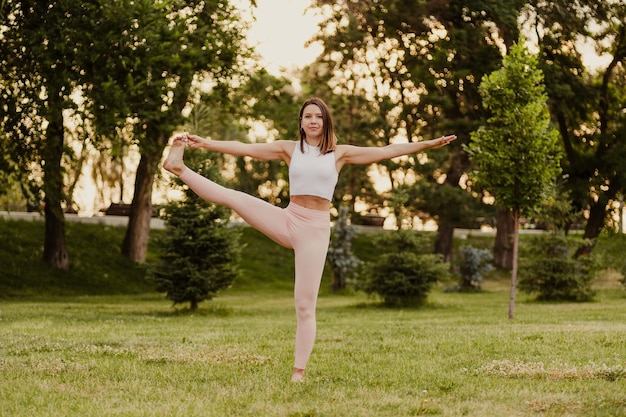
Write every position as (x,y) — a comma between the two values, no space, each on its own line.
(329,140)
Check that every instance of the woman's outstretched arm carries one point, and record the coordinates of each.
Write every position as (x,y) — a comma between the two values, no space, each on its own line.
(280,149)
(348,154)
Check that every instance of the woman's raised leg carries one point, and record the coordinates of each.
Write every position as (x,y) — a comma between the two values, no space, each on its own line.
(258,213)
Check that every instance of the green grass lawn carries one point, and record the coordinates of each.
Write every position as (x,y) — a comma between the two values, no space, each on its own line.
(458,355)
(65,350)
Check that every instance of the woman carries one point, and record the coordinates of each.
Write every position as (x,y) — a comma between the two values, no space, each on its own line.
(304,226)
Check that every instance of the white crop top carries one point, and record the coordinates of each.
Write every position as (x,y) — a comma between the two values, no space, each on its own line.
(311,173)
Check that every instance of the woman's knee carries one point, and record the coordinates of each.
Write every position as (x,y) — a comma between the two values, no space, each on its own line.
(305,309)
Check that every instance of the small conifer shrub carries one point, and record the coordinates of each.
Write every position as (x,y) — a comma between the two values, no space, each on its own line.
(200,253)
(404,272)
(550,272)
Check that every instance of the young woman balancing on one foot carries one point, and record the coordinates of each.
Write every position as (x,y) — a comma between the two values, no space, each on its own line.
(304,225)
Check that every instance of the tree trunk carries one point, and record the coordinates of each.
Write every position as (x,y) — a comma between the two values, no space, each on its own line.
(135,245)
(502,247)
(55,248)
(596,221)
(445,232)
(514,272)
(444,240)
(338,283)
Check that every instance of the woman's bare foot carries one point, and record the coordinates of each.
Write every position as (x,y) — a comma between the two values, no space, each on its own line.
(298,375)
(174,161)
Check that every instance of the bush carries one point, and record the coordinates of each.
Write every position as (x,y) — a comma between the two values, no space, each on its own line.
(403,270)
(553,274)
(473,262)
(404,279)
(402,241)
(340,257)
(200,253)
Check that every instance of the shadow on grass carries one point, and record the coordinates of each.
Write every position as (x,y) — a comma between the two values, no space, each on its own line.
(171,311)
(211,309)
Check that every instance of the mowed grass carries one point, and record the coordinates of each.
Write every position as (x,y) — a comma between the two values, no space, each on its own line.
(68,350)
(457,356)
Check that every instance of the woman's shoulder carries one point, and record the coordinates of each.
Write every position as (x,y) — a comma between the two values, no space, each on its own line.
(288,145)
(285,144)
(342,149)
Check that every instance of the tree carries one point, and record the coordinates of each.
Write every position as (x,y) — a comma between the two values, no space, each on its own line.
(118,63)
(418,64)
(516,153)
(43,68)
(200,251)
(166,53)
(586,103)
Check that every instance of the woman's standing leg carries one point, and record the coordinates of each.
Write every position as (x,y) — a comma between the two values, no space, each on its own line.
(310,242)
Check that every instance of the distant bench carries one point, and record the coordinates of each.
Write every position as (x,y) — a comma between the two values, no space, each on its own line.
(117,209)
(372,219)
(121,209)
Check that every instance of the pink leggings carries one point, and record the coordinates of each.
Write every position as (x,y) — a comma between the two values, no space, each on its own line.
(304,230)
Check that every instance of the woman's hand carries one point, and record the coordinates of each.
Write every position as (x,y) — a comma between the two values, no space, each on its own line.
(442,141)
(193,141)
(196,142)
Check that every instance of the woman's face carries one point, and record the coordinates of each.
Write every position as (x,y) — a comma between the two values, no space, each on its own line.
(312,122)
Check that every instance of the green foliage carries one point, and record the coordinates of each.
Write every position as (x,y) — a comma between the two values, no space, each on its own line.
(342,261)
(472,264)
(402,241)
(587,100)
(516,154)
(392,74)
(200,253)
(551,272)
(403,270)
(153,79)
(557,213)
(55,52)
(621,264)
(404,279)
(269,101)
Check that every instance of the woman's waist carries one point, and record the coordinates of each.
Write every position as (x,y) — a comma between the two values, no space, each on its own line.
(311,202)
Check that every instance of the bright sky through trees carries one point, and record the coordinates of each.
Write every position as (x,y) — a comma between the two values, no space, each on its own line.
(281,29)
